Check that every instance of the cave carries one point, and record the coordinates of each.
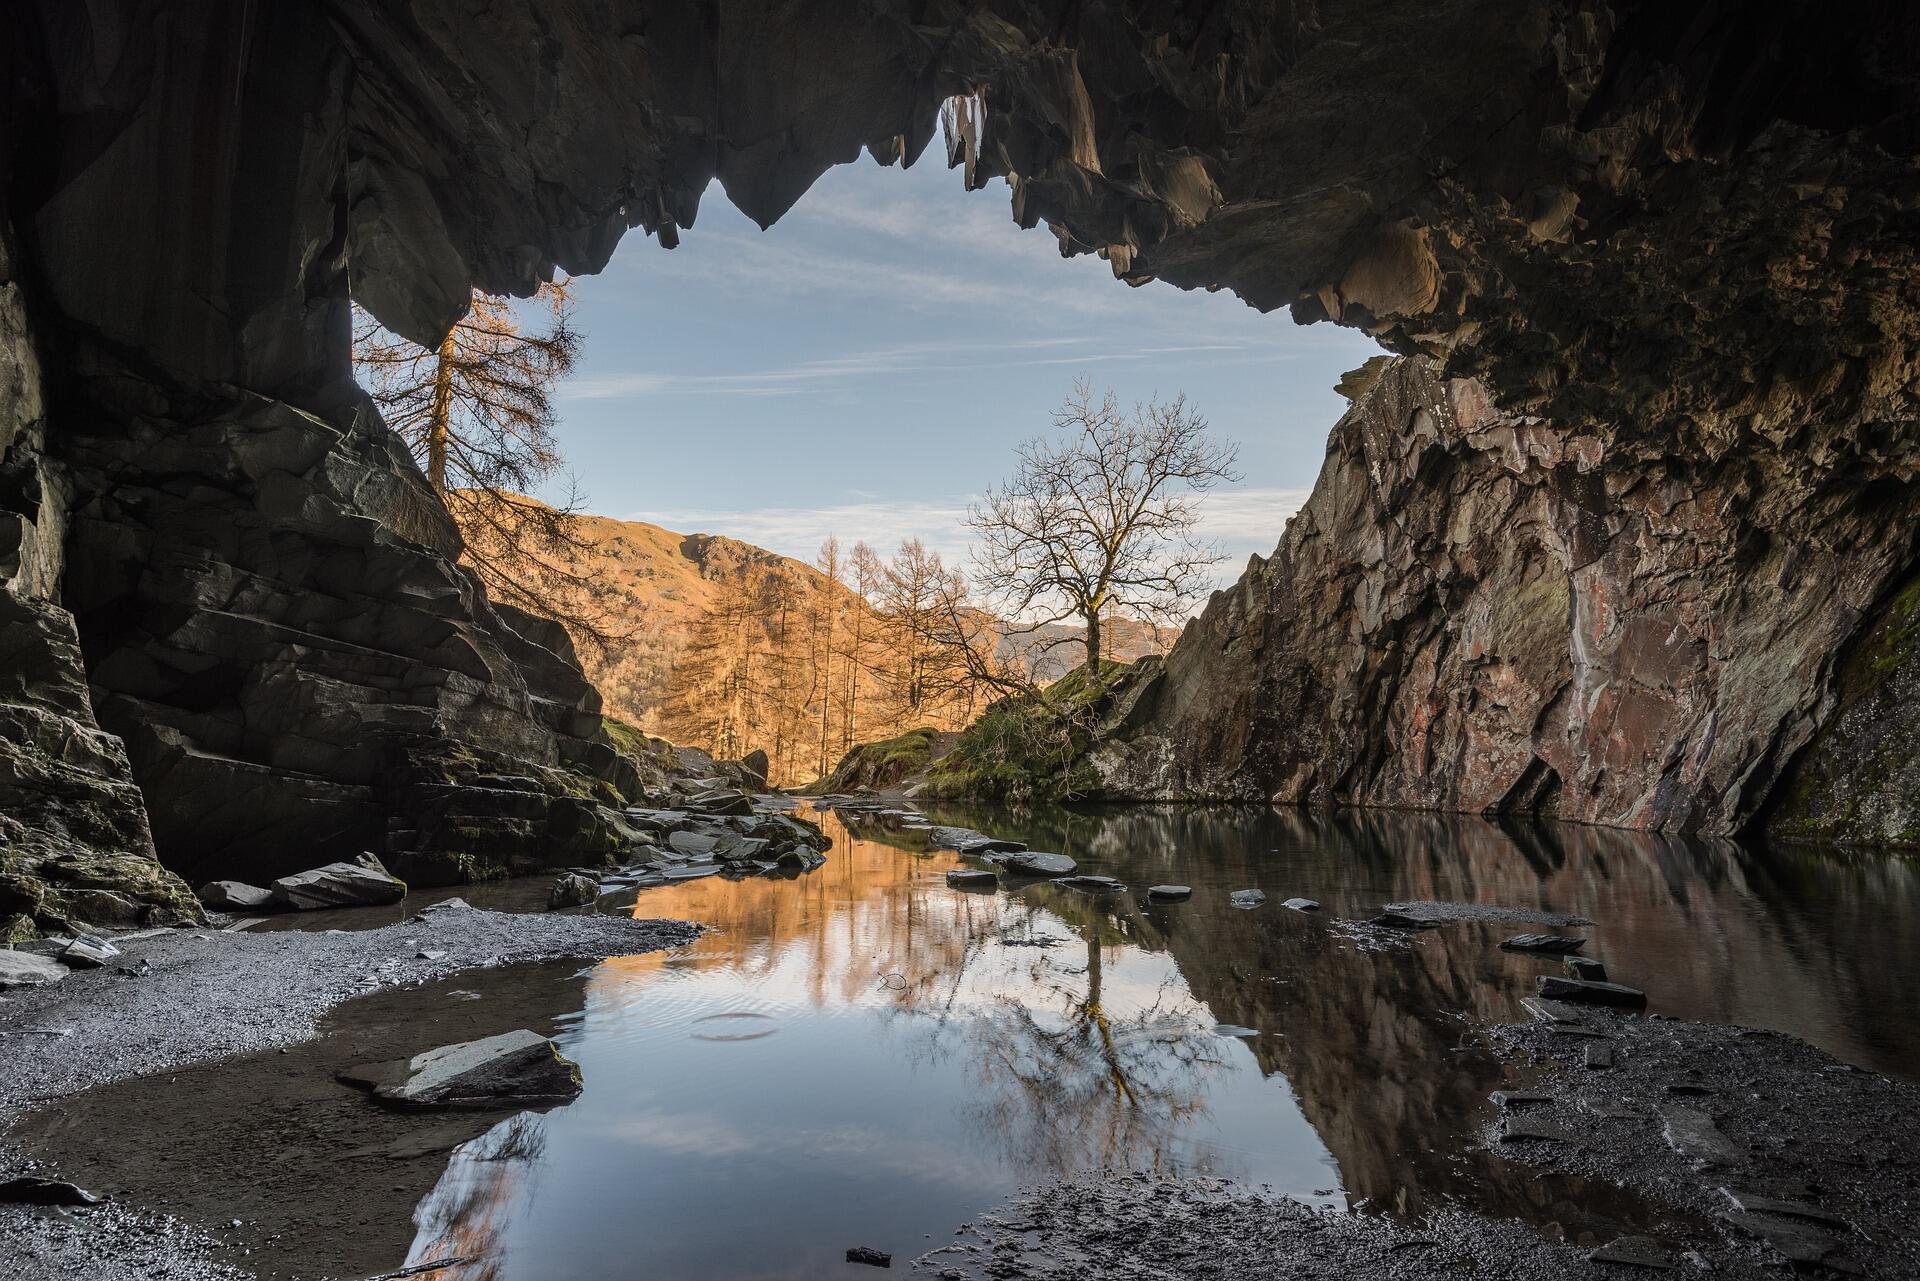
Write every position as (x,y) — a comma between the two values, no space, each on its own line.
(1624,528)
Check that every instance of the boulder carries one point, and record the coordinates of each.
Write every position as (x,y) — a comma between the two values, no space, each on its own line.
(1040,863)
(513,1070)
(25,969)
(801,857)
(1559,989)
(1580,967)
(236,896)
(972,878)
(1246,900)
(1170,893)
(573,890)
(756,764)
(361,884)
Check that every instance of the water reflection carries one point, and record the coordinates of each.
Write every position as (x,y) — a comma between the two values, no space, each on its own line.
(866,1056)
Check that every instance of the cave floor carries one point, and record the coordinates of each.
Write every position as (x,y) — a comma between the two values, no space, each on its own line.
(1044,1081)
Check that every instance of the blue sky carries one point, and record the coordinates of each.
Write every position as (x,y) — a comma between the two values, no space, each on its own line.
(867,366)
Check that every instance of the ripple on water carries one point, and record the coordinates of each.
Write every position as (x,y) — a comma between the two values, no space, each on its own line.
(734,1025)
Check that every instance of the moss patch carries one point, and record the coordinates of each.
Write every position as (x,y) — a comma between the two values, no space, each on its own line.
(1031,748)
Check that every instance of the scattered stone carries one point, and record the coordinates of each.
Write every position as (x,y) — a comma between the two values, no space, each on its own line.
(973,878)
(1798,1243)
(1559,989)
(1247,899)
(235,896)
(1557,944)
(1757,1203)
(431,954)
(1581,967)
(362,884)
(24,969)
(513,1070)
(573,890)
(1170,893)
(1524,1129)
(868,1255)
(1509,1100)
(1038,863)
(1693,1134)
(1598,1056)
(1095,882)
(1301,905)
(1552,1011)
(1636,1252)
(31,1191)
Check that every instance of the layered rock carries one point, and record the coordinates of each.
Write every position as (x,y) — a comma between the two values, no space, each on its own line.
(1479,611)
(74,845)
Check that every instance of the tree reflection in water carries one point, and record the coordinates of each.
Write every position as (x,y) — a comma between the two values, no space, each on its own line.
(467,1213)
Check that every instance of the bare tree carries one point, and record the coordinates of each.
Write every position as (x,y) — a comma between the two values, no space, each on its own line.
(478,414)
(1101,517)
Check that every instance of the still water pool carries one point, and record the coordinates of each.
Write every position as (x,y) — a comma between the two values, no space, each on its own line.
(865,1056)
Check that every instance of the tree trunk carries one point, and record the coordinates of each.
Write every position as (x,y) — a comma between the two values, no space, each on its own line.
(1093,647)
(442,415)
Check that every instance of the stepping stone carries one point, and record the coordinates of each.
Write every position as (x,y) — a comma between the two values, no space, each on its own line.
(972,878)
(1635,1252)
(1098,884)
(1616,994)
(1247,899)
(1401,921)
(1040,863)
(1301,905)
(1693,1134)
(1170,893)
(1557,944)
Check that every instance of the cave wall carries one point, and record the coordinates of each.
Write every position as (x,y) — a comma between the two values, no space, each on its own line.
(1673,248)
(1478,611)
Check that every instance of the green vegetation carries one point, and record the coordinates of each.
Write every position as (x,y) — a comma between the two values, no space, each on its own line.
(885,763)
(1030,747)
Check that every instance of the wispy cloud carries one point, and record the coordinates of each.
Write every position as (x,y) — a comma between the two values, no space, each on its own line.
(803,377)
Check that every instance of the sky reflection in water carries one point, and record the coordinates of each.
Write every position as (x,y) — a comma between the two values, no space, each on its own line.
(865,1056)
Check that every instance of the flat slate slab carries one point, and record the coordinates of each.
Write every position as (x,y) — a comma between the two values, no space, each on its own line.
(1095,882)
(513,1070)
(1555,988)
(1694,1135)
(1040,863)
(1636,1252)
(972,878)
(25,969)
(1556,944)
(1170,893)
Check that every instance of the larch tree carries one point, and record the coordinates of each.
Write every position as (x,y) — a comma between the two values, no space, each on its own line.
(1101,517)
(478,414)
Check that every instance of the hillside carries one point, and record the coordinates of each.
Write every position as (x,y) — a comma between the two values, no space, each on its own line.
(733,647)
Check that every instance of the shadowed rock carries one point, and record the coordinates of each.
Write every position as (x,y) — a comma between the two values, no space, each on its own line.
(513,1070)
